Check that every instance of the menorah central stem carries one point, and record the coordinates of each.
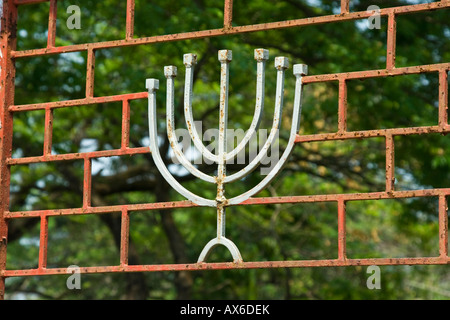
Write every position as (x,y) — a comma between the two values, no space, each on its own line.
(221,222)
(225,57)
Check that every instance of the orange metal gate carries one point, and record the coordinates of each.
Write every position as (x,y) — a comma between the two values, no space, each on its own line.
(8,109)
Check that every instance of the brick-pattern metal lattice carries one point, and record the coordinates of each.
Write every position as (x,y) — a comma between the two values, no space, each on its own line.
(8,109)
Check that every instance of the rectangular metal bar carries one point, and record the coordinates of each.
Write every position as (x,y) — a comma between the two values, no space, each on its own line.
(345,6)
(48,132)
(77,156)
(443,226)
(130,19)
(125,125)
(23,2)
(252,201)
(391,41)
(348,197)
(367,74)
(87,183)
(7,80)
(234,30)
(371,133)
(443,98)
(390,163)
(100,210)
(90,73)
(232,265)
(77,102)
(342,108)
(43,242)
(342,234)
(51,35)
(124,237)
(228,13)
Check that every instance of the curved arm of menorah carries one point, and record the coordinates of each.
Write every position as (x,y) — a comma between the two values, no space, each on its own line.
(299,71)
(261,56)
(170,73)
(281,63)
(152,85)
(190,60)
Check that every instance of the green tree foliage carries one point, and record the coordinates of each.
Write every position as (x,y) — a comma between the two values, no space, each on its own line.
(384,228)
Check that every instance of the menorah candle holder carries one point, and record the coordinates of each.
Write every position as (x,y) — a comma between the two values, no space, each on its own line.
(223,156)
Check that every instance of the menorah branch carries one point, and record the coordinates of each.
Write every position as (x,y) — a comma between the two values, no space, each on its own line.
(170,72)
(190,60)
(261,56)
(281,64)
(153,85)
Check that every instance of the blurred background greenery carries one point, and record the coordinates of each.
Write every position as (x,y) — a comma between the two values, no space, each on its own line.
(384,228)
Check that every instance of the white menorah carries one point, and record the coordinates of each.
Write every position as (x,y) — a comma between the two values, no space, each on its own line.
(223,155)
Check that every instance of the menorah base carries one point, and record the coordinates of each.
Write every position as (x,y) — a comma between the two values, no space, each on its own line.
(220,241)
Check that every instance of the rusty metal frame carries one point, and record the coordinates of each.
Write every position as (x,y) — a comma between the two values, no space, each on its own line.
(8,108)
